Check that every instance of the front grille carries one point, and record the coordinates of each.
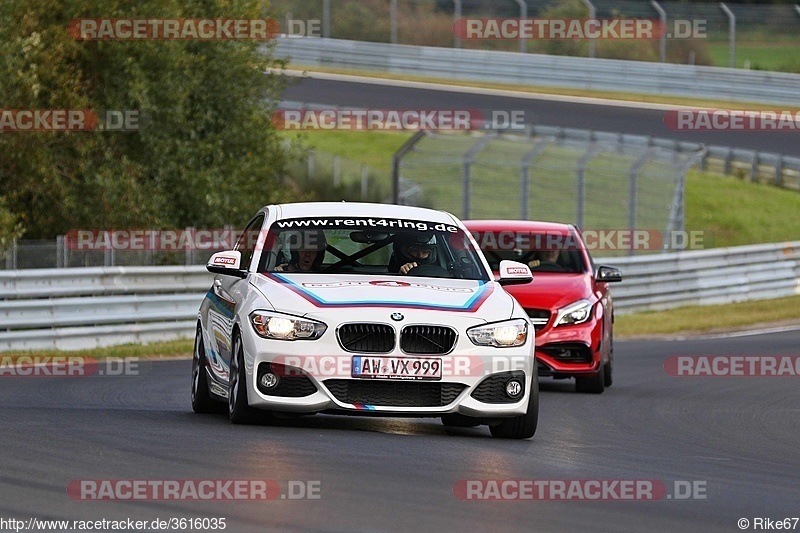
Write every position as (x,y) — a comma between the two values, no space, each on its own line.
(493,388)
(539,318)
(427,339)
(394,393)
(567,352)
(293,383)
(366,338)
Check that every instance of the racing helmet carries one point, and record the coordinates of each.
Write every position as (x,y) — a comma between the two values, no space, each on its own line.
(407,243)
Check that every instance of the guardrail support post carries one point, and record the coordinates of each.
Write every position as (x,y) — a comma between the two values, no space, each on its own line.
(731,34)
(592,15)
(456,17)
(754,167)
(663,16)
(779,171)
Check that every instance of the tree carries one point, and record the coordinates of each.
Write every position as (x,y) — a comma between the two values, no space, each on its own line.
(205,153)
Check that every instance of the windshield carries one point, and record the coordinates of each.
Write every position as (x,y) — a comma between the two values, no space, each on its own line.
(371,246)
(541,252)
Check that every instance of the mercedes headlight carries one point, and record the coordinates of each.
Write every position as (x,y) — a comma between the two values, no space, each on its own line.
(576,313)
(500,334)
(285,327)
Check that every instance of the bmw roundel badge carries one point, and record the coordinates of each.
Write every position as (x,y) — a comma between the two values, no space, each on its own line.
(397,317)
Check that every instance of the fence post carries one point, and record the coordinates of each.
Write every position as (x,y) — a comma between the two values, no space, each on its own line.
(731,35)
(397,157)
(393,21)
(663,16)
(326,18)
(754,166)
(60,251)
(310,161)
(779,171)
(456,17)
(523,14)
(583,162)
(525,177)
(633,192)
(592,15)
(364,181)
(466,172)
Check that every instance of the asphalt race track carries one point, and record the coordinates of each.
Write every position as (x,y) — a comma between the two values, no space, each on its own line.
(736,436)
(602,117)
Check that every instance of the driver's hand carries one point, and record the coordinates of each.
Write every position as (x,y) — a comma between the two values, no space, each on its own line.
(281,268)
(405,268)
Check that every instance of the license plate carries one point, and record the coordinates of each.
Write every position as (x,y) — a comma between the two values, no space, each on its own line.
(396,368)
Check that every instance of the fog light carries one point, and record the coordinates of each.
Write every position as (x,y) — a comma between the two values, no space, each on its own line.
(513,388)
(269,380)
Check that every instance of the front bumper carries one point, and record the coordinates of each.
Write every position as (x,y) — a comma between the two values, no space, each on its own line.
(568,351)
(316,377)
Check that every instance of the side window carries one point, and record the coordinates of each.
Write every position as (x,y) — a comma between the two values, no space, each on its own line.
(248,239)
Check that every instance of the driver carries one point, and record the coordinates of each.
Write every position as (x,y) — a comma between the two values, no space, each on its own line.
(411,250)
(306,254)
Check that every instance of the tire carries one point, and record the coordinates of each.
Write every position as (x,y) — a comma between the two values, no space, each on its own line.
(201,398)
(608,376)
(523,426)
(592,384)
(457,420)
(239,410)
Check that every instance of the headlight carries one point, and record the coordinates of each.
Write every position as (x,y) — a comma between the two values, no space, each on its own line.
(576,313)
(500,334)
(285,327)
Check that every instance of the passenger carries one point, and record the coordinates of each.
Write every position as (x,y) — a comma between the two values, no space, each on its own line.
(308,255)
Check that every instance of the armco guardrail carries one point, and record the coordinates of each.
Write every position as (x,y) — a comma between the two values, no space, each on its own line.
(706,277)
(713,83)
(73,308)
(90,307)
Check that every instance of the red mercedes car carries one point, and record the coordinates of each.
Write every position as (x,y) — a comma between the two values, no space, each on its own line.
(569,303)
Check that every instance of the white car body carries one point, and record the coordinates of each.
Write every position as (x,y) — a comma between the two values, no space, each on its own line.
(322,373)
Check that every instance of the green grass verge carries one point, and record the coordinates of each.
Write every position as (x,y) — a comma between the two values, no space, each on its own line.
(698,319)
(156,350)
(779,56)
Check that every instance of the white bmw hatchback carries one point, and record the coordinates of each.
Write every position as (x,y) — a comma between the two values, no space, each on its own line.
(364,309)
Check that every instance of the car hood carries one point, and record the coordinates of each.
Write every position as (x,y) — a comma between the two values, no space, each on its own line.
(321,295)
(552,290)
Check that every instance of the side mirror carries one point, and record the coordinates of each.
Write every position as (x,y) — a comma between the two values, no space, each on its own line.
(514,273)
(227,263)
(608,274)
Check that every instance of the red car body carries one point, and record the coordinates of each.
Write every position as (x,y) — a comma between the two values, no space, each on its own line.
(568,302)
